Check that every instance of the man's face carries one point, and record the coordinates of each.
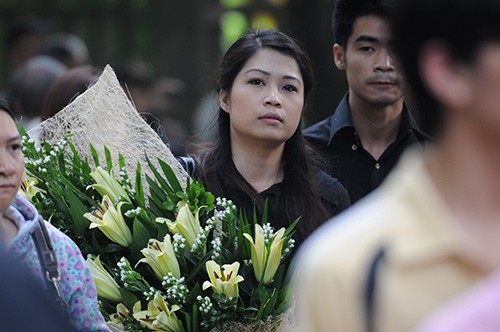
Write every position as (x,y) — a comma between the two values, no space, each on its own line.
(368,60)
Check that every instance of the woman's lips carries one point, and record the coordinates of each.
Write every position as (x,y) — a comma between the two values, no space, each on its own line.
(271,116)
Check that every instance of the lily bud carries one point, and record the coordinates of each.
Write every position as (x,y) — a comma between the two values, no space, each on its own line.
(107,185)
(104,282)
(186,224)
(265,258)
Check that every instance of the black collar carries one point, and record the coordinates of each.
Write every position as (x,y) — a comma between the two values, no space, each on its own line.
(342,119)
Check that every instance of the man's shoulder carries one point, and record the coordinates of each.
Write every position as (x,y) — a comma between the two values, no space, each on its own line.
(348,241)
(333,266)
(320,131)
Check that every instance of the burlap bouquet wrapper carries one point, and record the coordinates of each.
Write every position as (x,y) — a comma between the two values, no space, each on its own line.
(282,323)
(104,117)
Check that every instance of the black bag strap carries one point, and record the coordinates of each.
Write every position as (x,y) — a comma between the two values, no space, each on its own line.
(370,289)
(189,165)
(48,260)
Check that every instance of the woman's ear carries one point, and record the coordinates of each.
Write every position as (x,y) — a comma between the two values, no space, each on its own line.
(224,101)
(445,78)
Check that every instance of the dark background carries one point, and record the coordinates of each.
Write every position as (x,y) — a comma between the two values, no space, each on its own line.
(180,39)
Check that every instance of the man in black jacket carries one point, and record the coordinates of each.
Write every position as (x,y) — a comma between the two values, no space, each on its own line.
(372,125)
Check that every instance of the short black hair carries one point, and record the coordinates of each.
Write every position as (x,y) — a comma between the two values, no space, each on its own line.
(345,13)
(462,26)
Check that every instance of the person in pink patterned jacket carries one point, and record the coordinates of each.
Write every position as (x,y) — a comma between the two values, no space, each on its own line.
(18,221)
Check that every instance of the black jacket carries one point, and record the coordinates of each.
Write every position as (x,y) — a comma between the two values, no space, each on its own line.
(335,137)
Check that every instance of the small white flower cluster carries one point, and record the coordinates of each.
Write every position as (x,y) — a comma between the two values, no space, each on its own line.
(201,239)
(288,249)
(44,158)
(25,141)
(247,262)
(150,295)
(206,305)
(268,233)
(124,272)
(217,246)
(131,280)
(226,203)
(179,244)
(175,289)
(226,209)
(133,212)
(125,181)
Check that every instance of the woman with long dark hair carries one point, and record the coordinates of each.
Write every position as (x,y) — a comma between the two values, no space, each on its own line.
(263,83)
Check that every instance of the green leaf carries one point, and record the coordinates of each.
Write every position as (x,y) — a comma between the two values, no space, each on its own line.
(169,173)
(139,190)
(195,318)
(109,159)
(140,238)
(121,161)
(95,155)
(129,299)
(77,209)
(161,181)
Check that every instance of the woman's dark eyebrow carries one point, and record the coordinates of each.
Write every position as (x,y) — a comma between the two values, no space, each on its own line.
(288,77)
(15,138)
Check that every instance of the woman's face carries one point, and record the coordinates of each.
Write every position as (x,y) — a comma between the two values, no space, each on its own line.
(11,160)
(266,100)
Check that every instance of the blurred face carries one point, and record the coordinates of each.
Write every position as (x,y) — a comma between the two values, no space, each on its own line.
(266,100)
(369,64)
(11,160)
(483,77)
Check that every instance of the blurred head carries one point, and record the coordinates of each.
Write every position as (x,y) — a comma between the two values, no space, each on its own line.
(67,87)
(11,157)
(30,83)
(271,47)
(451,58)
(346,12)
(138,81)
(68,48)
(24,39)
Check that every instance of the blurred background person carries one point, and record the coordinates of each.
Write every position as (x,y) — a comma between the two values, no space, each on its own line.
(476,310)
(24,39)
(68,48)
(155,99)
(22,294)
(67,87)
(29,85)
(30,82)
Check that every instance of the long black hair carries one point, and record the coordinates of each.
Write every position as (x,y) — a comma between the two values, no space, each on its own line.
(4,106)
(216,168)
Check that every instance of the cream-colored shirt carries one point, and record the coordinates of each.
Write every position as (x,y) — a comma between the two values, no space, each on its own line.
(427,261)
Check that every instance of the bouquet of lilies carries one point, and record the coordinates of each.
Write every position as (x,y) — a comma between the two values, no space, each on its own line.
(172,259)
